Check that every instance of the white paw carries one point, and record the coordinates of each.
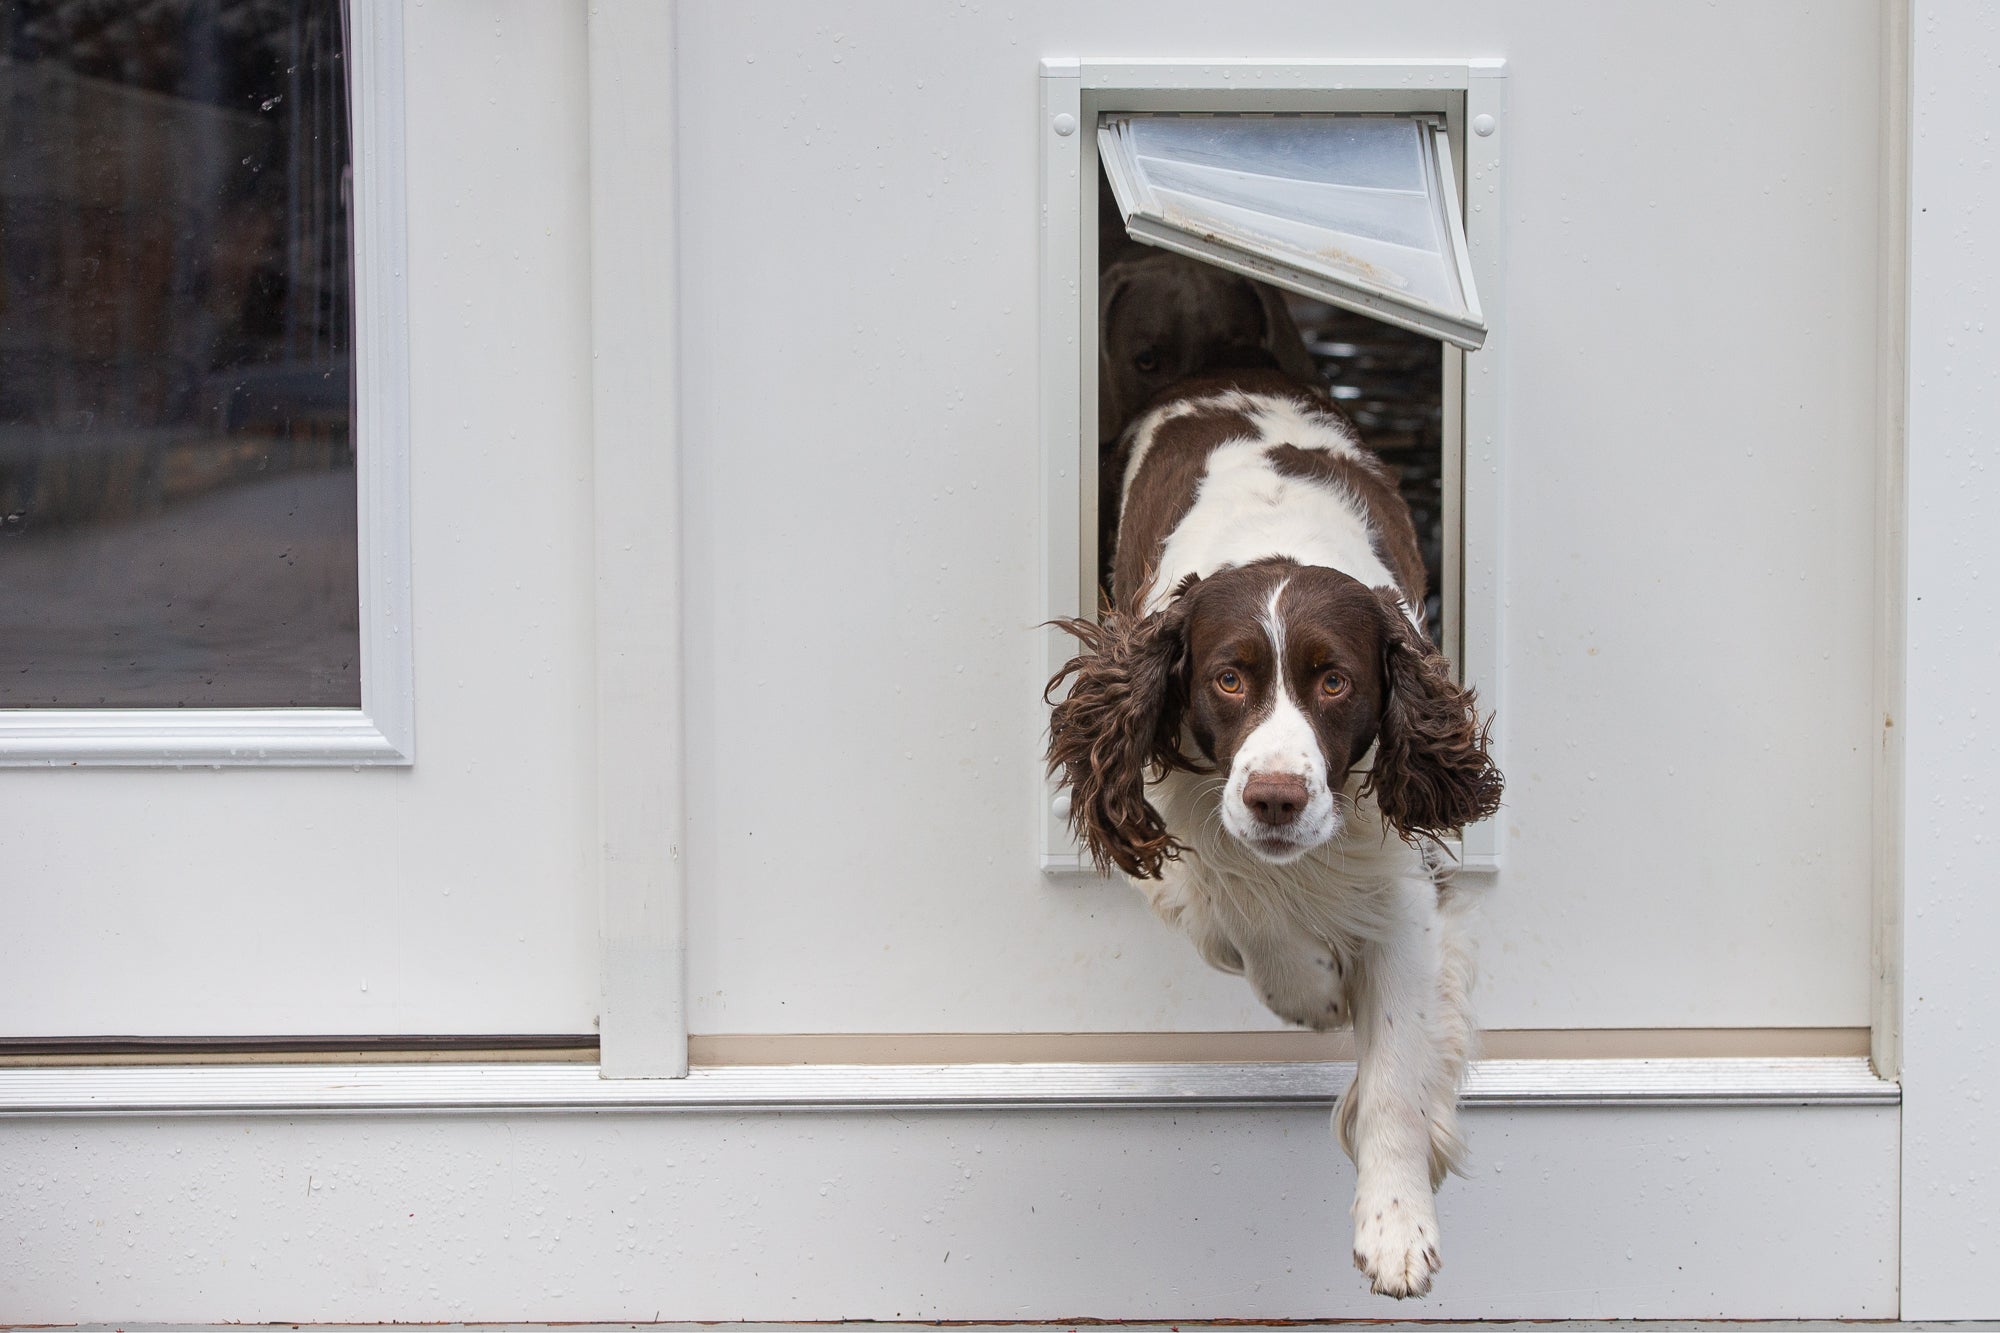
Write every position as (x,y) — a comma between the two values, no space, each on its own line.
(1309,990)
(1396,1245)
(1321,1013)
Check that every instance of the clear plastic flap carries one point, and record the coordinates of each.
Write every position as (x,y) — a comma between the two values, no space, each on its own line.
(1361,211)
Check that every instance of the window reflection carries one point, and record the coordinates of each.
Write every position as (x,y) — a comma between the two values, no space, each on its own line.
(177,487)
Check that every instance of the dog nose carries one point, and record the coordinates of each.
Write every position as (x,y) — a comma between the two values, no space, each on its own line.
(1275,798)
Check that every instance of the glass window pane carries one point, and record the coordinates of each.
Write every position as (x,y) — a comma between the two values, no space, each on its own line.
(1349,209)
(177,485)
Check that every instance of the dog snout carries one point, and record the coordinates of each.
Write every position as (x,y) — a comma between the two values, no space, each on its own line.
(1275,798)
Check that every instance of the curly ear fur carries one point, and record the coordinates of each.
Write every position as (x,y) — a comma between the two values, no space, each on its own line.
(1122,717)
(1432,772)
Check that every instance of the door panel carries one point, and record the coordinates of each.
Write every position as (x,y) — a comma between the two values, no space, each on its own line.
(457,895)
(1689,478)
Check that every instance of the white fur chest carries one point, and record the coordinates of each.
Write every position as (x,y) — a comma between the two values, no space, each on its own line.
(1339,895)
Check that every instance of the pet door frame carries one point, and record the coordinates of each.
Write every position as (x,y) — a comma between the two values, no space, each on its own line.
(1470,97)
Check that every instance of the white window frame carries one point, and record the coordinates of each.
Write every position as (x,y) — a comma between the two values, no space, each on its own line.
(381,732)
(1074,93)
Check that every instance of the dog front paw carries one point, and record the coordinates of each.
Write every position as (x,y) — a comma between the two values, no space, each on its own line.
(1321,1013)
(1396,1245)
(1308,989)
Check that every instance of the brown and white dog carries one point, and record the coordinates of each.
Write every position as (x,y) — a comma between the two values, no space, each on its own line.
(1260,735)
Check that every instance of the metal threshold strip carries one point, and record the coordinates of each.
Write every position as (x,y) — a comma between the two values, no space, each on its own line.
(572,1087)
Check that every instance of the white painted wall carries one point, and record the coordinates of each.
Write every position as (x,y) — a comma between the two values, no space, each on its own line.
(458,895)
(1136,1214)
(1951,1056)
(1691,488)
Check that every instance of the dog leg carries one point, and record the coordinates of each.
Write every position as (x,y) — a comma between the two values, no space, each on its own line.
(1300,979)
(1405,1081)
(1179,898)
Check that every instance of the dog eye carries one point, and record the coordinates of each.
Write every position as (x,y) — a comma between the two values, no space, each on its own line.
(1229,682)
(1148,361)
(1332,687)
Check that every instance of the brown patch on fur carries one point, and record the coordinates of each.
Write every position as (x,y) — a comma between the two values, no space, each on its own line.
(1365,478)
(1122,719)
(1432,771)
(1174,467)
(1178,459)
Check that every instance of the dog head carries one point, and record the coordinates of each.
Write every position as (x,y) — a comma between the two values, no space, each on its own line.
(1164,318)
(1281,677)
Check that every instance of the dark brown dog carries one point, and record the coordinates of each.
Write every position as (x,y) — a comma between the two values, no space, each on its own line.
(1164,319)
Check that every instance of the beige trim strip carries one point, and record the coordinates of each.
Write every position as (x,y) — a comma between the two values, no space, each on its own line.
(723,1051)
(947,1048)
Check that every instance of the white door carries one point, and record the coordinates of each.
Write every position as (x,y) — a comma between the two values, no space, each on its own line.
(411,852)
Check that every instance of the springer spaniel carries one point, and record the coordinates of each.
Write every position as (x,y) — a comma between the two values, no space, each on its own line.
(1260,735)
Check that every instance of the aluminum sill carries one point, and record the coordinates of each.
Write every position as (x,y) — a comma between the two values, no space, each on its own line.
(147,1090)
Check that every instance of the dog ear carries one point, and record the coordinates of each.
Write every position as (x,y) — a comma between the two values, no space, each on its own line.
(1432,772)
(1281,336)
(1122,718)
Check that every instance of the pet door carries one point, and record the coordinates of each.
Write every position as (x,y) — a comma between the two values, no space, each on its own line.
(1359,211)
